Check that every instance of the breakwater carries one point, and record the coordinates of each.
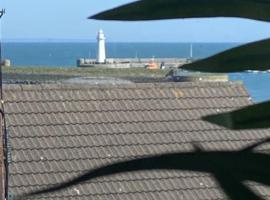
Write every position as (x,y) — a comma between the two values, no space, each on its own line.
(133,62)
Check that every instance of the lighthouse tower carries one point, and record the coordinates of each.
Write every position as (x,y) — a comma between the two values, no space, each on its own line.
(101,55)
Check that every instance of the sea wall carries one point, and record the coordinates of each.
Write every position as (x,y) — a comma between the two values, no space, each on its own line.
(133,62)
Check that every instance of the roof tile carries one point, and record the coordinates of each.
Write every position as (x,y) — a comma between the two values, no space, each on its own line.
(60,131)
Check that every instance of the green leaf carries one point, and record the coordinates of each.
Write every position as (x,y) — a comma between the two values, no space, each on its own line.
(252,56)
(251,117)
(171,9)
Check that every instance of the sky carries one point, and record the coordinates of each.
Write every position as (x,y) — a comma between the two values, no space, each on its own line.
(67,20)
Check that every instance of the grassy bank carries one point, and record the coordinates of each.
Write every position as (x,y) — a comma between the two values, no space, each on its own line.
(93,72)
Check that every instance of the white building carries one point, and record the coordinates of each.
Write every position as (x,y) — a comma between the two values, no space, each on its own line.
(101,54)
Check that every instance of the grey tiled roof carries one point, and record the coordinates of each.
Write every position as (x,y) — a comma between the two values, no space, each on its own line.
(60,131)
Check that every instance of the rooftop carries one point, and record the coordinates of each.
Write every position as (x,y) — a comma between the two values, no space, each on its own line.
(60,131)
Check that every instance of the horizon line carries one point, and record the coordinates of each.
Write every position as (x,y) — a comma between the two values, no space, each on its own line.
(54,40)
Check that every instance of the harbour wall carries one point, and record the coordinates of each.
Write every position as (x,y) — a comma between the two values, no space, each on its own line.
(133,62)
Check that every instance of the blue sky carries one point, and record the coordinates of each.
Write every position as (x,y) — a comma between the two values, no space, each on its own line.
(67,19)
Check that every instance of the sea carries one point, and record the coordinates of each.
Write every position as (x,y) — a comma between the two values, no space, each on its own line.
(65,54)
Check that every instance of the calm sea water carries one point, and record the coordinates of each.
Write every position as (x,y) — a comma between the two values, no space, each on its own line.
(257,84)
(66,54)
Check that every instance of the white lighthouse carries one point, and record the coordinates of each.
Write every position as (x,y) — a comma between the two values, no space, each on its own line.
(101,55)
